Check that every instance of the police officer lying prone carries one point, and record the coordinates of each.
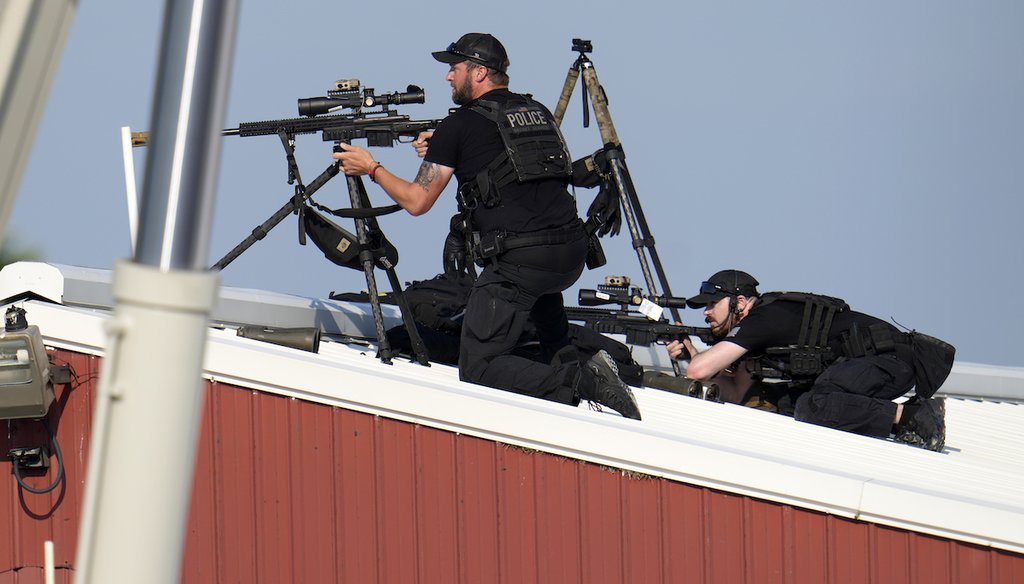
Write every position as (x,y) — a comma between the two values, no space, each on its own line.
(843,368)
(525,226)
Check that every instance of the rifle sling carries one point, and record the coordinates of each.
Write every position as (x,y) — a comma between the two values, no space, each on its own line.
(364,213)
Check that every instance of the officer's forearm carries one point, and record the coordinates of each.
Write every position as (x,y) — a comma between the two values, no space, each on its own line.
(707,364)
(417,196)
(408,196)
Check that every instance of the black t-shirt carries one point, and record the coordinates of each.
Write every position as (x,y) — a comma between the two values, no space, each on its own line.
(777,324)
(467,141)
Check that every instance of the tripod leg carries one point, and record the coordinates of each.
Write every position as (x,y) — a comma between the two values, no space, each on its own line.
(418,348)
(618,170)
(372,231)
(290,207)
(639,241)
(563,100)
(357,194)
(649,240)
(600,103)
(635,221)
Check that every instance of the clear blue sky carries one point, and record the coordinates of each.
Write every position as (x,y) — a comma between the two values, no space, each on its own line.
(870,150)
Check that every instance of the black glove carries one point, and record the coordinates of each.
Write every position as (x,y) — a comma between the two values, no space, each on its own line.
(455,255)
(454,259)
(606,208)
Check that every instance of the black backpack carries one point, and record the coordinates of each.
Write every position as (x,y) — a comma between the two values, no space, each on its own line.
(438,305)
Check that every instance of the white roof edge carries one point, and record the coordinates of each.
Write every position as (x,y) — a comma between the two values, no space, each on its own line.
(91,288)
(985,381)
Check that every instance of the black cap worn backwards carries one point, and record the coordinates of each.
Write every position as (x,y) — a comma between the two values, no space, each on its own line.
(722,284)
(478,47)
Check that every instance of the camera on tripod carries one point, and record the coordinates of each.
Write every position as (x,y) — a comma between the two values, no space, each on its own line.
(582,46)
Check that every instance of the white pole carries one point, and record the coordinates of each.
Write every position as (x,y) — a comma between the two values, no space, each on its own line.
(148,411)
(149,402)
(48,573)
(129,184)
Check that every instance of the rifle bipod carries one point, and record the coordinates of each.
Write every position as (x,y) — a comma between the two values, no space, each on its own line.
(369,241)
(633,213)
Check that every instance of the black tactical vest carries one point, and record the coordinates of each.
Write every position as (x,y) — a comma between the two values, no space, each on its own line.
(534,150)
(802,362)
(809,356)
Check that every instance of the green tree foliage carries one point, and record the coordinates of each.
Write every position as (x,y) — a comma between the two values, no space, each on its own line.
(13,250)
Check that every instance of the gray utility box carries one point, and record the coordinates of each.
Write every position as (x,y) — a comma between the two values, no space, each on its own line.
(25,387)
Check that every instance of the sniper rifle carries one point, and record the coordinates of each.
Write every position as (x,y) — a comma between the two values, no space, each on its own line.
(380,127)
(643,326)
(371,120)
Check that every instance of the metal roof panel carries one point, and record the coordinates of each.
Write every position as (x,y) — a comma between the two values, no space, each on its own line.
(970,492)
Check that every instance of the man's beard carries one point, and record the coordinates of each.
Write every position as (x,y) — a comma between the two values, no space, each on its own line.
(463,94)
(722,329)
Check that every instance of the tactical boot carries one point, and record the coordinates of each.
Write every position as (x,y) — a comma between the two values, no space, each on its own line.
(927,427)
(599,382)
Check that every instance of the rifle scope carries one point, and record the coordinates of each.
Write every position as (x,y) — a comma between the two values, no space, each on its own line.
(314,106)
(589,297)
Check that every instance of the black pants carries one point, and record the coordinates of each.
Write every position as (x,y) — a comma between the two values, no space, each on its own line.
(856,395)
(526,283)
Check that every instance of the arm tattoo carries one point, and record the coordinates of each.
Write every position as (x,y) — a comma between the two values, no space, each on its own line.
(426,175)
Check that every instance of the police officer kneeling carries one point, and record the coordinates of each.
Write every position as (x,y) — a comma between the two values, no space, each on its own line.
(844,367)
(513,169)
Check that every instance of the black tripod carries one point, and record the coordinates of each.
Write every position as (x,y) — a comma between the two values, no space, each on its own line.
(367,232)
(643,241)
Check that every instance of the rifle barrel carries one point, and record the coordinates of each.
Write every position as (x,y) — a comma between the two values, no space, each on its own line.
(329,125)
(142,138)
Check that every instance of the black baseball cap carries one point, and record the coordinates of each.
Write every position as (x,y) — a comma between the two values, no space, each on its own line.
(478,47)
(722,284)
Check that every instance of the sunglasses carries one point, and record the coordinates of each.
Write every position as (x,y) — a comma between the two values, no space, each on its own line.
(453,49)
(710,288)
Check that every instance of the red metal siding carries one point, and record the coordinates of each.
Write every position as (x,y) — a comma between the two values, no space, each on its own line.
(27,520)
(289,491)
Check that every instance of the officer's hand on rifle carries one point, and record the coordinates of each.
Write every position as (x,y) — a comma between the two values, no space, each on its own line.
(421,143)
(353,160)
(681,349)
